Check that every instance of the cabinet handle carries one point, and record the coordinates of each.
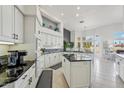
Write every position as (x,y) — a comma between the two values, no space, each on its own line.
(118,63)
(16,37)
(33,66)
(13,36)
(24,77)
(30,80)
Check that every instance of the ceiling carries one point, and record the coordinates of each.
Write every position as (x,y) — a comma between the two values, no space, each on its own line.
(92,15)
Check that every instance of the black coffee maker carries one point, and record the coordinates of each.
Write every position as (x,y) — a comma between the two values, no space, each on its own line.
(16,62)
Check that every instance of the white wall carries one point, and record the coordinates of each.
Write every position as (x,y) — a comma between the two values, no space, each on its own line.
(106,32)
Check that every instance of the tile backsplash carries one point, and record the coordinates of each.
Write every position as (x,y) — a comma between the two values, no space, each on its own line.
(30,50)
(4,50)
(30,55)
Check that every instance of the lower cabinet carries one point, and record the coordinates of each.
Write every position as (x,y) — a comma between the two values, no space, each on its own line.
(32,80)
(77,74)
(120,67)
(121,70)
(11,85)
(52,59)
(47,60)
(27,80)
(66,70)
(40,65)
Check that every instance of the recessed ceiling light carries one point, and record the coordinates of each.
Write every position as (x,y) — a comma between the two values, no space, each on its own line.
(82,21)
(77,15)
(78,7)
(62,14)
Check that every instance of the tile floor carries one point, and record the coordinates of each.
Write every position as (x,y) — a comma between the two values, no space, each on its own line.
(104,76)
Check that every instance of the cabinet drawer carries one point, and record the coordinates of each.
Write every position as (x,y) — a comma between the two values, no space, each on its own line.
(23,80)
(20,83)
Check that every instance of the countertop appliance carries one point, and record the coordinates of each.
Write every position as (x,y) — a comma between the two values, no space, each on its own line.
(15,62)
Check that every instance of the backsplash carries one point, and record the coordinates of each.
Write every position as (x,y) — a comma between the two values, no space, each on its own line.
(4,50)
(27,47)
(31,53)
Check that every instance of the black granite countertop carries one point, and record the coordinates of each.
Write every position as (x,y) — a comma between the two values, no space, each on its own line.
(4,79)
(79,51)
(74,58)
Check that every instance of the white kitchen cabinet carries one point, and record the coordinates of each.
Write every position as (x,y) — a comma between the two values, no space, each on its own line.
(8,23)
(37,29)
(47,60)
(19,26)
(77,74)
(80,74)
(43,39)
(48,38)
(27,80)
(39,17)
(22,82)
(60,57)
(118,60)
(57,58)
(121,69)
(10,85)
(32,77)
(51,59)
(40,65)
(53,40)
(67,71)
(120,66)
(0,21)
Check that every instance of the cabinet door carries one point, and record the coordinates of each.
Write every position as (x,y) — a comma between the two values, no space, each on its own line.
(47,63)
(8,22)
(0,21)
(67,72)
(22,82)
(56,58)
(122,70)
(39,17)
(80,74)
(38,29)
(19,28)
(48,40)
(59,58)
(32,79)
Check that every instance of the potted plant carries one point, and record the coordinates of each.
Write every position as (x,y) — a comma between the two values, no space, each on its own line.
(43,24)
(56,29)
(65,45)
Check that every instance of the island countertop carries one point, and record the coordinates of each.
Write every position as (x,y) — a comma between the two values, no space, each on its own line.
(4,79)
(74,58)
(120,55)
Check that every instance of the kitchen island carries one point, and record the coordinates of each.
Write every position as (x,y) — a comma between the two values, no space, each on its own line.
(120,65)
(77,70)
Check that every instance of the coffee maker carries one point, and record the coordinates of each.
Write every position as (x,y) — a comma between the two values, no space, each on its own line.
(16,62)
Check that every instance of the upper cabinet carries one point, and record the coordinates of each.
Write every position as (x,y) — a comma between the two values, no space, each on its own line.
(11,24)
(8,23)
(51,29)
(19,19)
(39,17)
(0,21)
